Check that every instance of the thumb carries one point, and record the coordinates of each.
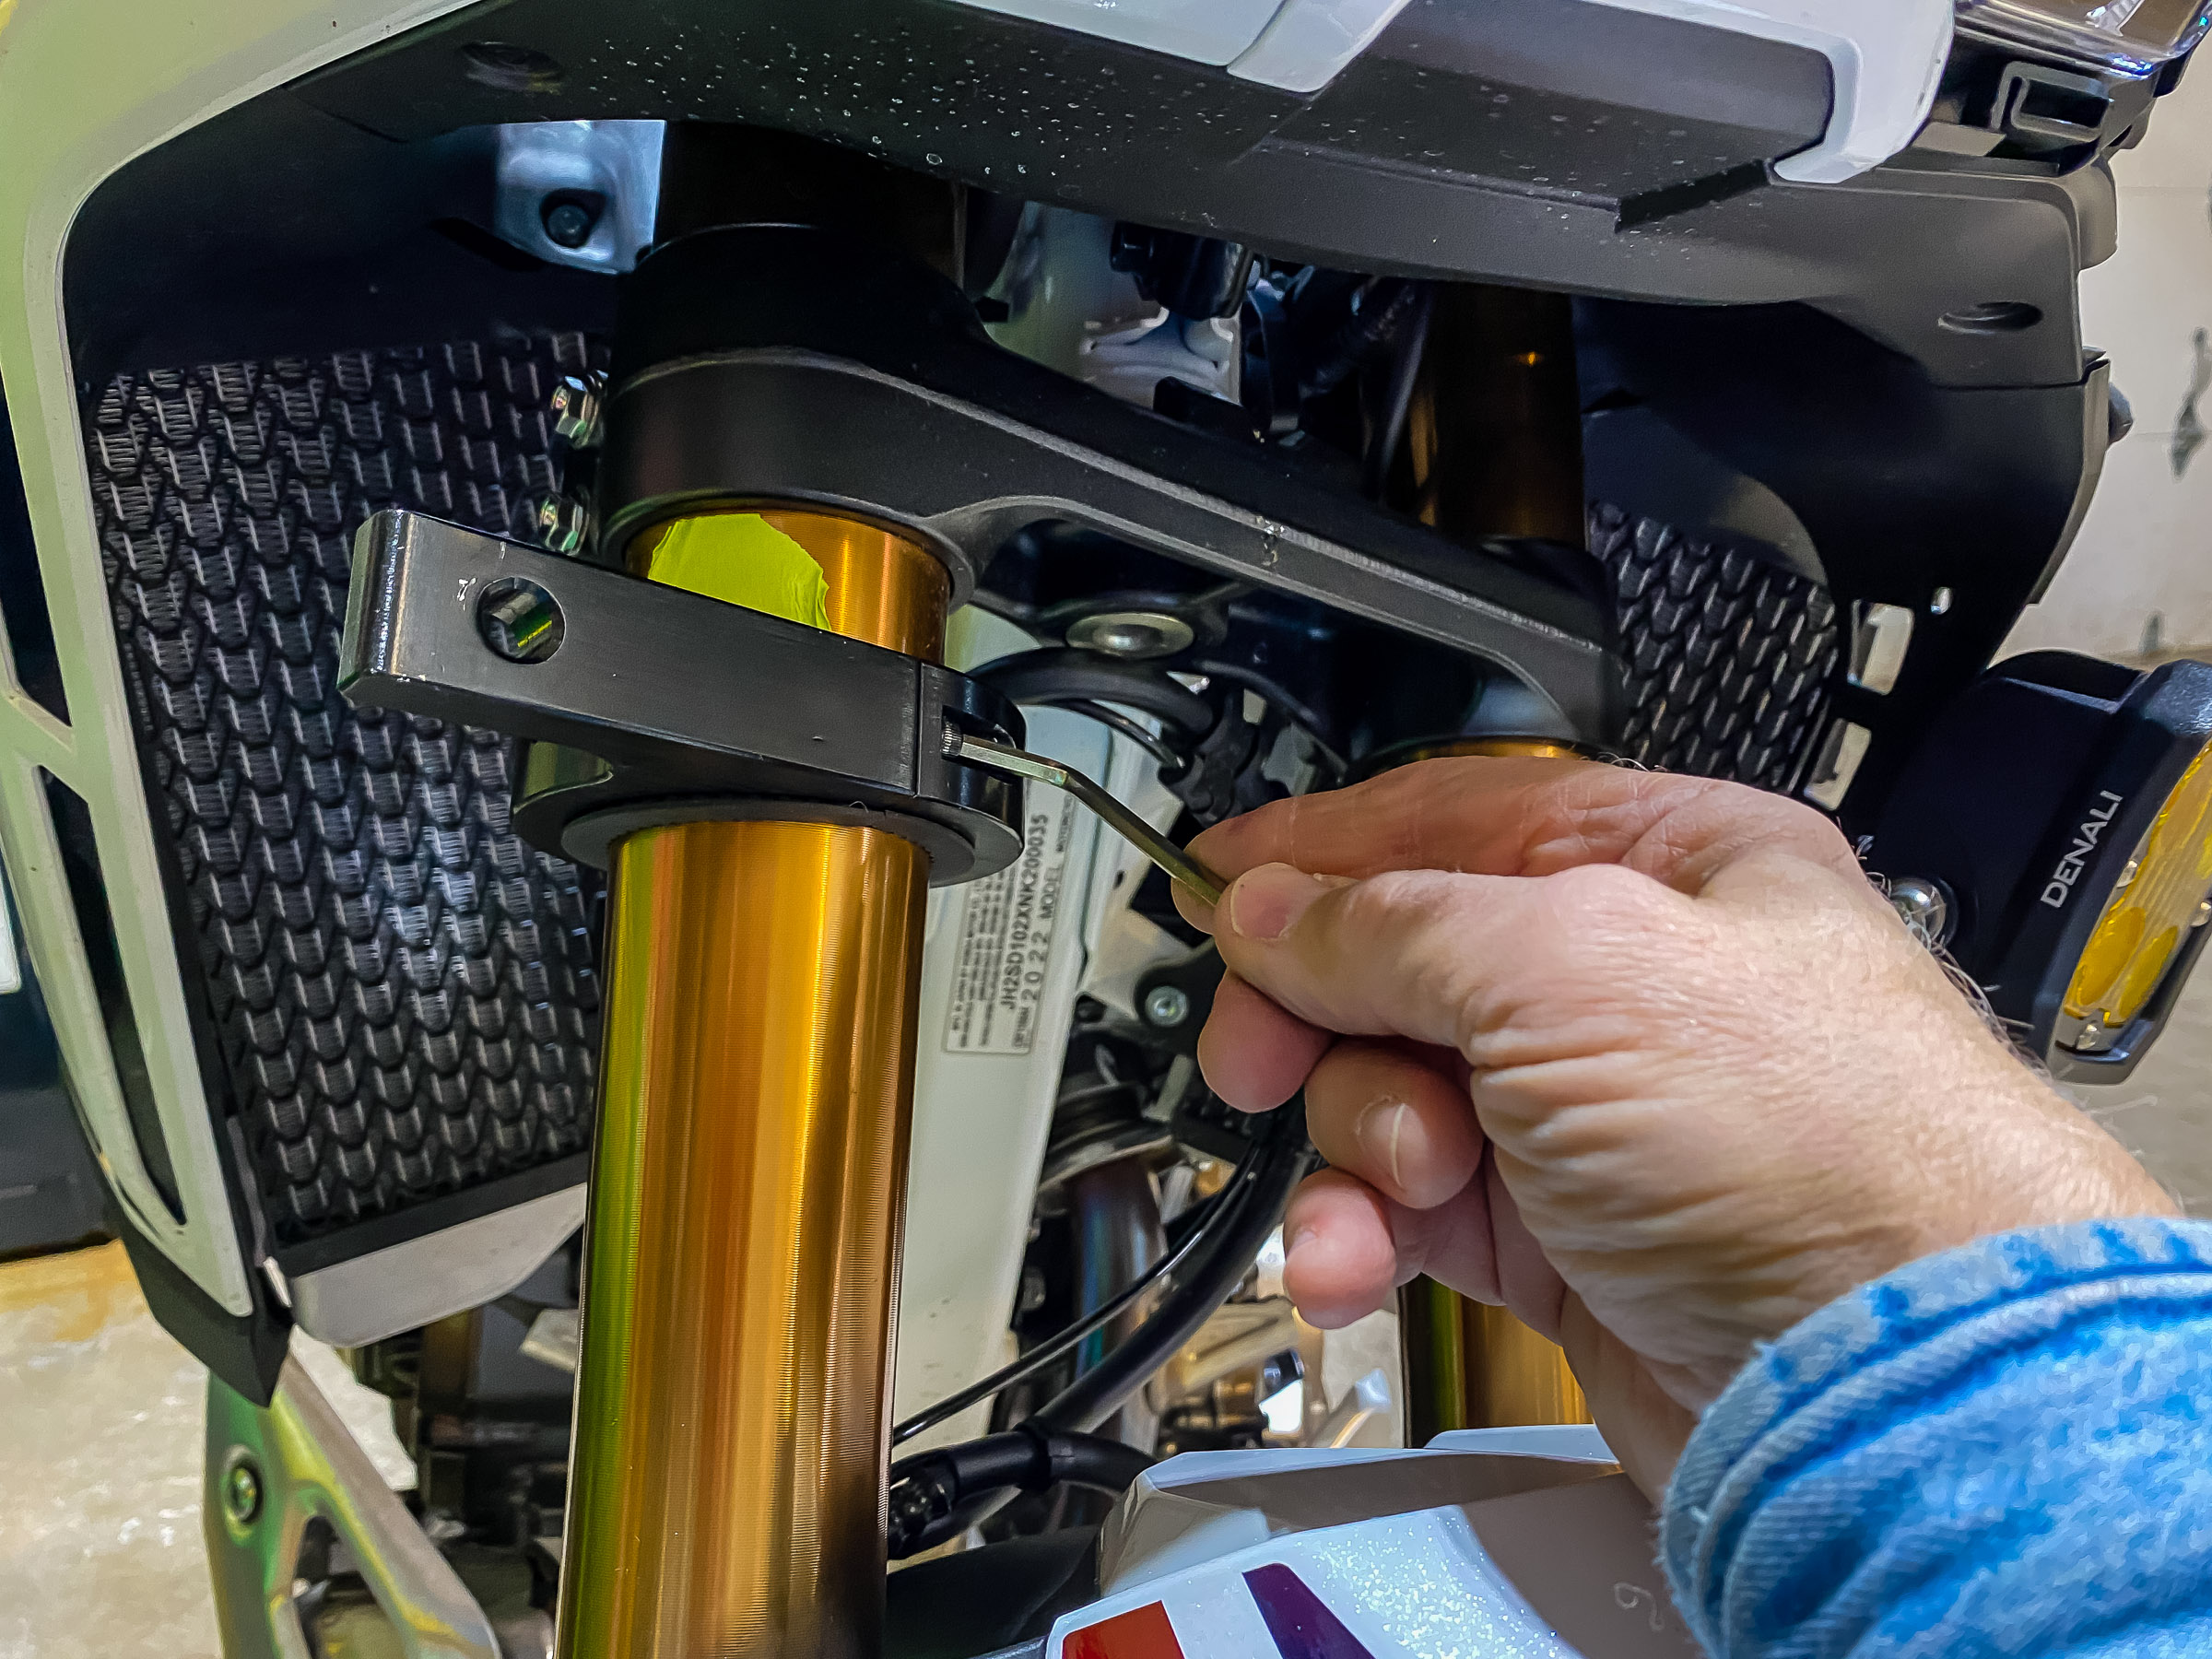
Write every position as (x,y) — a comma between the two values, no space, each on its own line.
(1408,953)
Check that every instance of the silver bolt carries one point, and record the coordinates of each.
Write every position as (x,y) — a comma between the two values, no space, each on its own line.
(1166,1006)
(1033,1291)
(1924,906)
(563,524)
(2094,1037)
(520,621)
(576,406)
(241,1492)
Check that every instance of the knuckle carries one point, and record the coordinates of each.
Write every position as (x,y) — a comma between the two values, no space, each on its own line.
(1600,895)
(1430,915)
(1810,825)
(1760,821)
(1389,901)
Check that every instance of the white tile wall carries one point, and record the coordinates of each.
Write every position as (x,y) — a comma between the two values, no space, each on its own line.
(2147,545)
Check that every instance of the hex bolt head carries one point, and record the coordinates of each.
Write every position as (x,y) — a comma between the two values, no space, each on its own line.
(241,1492)
(520,621)
(577,409)
(569,222)
(563,524)
(1166,1006)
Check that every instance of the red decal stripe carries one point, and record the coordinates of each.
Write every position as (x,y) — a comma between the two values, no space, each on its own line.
(1141,1633)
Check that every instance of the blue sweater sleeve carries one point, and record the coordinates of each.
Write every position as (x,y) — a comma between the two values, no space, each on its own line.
(2005,1449)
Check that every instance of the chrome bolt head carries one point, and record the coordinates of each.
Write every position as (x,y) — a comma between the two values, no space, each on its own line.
(1166,1006)
(563,526)
(578,409)
(569,222)
(1925,905)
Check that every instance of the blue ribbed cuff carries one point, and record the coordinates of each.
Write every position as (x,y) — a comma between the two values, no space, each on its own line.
(1929,1451)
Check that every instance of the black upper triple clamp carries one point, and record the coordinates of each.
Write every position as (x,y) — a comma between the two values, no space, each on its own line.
(649,705)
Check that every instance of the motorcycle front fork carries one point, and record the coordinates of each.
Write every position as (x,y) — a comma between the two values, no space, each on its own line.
(742,1241)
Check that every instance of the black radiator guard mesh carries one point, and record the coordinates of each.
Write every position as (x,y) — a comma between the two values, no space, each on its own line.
(1726,659)
(404,991)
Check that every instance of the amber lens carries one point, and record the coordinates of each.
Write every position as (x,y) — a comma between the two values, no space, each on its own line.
(2160,897)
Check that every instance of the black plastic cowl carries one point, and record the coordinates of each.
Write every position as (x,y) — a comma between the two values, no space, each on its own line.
(788,286)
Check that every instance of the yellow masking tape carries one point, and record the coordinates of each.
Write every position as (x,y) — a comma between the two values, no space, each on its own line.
(741,558)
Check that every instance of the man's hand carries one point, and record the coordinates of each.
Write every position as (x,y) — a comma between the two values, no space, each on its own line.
(1715,1083)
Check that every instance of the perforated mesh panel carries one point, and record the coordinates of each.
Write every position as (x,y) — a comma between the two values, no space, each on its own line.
(1726,658)
(404,991)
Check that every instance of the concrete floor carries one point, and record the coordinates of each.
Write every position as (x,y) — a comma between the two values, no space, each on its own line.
(102,1421)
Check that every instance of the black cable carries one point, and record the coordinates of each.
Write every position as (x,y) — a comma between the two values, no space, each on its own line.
(930,1492)
(1383,305)
(1300,715)
(1054,1349)
(1057,674)
(936,1495)
(1167,758)
(1097,1091)
(1067,677)
(1397,402)
(1253,1204)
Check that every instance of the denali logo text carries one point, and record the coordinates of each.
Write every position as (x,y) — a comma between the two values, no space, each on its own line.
(2061,885)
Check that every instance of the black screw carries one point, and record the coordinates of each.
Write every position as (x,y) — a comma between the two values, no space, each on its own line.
(569,222)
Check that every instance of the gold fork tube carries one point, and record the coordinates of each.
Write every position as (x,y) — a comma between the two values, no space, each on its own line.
(733,1401)
(1469,1365)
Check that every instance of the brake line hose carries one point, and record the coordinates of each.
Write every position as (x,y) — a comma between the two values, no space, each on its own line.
(1062,675)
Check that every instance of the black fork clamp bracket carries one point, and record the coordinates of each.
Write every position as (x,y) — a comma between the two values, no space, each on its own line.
(659,706)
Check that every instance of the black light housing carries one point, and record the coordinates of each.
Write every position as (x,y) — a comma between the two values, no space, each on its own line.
(2065,805)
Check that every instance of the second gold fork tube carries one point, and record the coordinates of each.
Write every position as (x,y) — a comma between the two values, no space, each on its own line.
(732,1409)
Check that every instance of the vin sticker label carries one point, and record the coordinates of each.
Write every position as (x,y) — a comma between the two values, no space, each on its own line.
(1005,943)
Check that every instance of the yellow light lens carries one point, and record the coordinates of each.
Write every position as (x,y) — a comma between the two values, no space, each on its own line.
(2149,914)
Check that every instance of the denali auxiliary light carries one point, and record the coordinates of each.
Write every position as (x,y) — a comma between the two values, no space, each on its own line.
(2065,806)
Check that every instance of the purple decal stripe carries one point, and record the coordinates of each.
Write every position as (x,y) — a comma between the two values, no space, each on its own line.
(1302,1627)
